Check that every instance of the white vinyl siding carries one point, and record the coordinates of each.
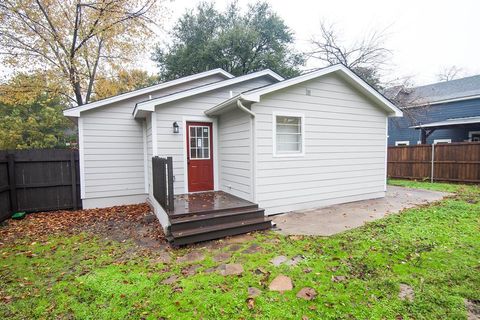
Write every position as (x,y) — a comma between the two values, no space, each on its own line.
(235,153)
(191,109)
(345,143)
(113,150)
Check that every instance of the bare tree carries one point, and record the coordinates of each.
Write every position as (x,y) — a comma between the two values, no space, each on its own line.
(449,73)
(74,40)
(366,56)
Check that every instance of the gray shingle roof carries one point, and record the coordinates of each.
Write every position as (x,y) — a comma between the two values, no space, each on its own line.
(446,90)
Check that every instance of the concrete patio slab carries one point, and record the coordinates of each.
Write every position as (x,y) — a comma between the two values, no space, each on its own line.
(334,219)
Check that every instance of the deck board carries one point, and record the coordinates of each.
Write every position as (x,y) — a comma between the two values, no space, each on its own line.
(203,202)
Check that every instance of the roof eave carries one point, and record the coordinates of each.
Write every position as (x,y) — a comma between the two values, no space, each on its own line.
(387,105)
(75,112)
(151,104)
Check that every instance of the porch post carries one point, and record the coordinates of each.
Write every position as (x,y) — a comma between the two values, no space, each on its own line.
(423,136)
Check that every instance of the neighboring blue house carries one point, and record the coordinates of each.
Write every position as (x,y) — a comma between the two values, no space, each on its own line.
(442,112)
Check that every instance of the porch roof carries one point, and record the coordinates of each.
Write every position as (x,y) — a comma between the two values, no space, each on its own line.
(448,123)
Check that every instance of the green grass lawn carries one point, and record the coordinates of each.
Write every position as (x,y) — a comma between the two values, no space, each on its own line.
(435,249)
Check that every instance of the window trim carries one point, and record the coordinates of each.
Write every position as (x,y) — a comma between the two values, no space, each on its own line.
(442,141)
(471,133)
(209,141)
(402,143)
(274,131)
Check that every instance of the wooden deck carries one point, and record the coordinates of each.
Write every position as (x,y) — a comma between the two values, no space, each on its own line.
(210,215)
(202,202)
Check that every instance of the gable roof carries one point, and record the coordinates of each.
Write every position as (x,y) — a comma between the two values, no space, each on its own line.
(75,112)
(442,92)
(255,94)
(149,105)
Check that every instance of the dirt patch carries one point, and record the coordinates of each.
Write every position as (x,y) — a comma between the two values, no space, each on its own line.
(473,309)
(120,223)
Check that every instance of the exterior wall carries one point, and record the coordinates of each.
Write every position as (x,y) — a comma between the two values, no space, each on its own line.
(345,148)
(235,153)
(192,109)
(112,149)
(399,128)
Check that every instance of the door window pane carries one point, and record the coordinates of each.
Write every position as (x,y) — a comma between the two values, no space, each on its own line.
(199,142)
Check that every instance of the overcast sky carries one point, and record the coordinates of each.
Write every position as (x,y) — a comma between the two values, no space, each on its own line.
(425,36)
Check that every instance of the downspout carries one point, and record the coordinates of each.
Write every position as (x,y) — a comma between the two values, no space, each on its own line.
(252,137)
(244,109)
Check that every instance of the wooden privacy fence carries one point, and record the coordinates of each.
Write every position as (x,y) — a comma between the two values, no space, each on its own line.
(456,162)
(38,180)
(162,171)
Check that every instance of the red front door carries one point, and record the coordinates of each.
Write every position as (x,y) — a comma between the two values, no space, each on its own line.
(199,156)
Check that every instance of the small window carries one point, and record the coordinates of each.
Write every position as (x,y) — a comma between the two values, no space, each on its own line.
(437,141)
(474,136)
(402,143)
(288,135)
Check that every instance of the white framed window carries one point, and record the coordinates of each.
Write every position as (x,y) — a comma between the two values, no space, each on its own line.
(474,136)
(402,143)
(436,141)
(288,134)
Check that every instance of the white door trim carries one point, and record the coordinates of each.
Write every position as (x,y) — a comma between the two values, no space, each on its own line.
(183,131)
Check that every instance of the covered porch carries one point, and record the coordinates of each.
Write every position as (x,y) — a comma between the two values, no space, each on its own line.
(470,123)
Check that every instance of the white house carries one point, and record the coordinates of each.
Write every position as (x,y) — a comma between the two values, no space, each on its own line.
(313,140)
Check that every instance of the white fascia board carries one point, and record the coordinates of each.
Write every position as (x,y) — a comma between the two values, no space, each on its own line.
(449,122)
(151,104)
(75,112)
(355,80)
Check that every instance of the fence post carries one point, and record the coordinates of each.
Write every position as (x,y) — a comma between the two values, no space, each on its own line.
(433,163)
(11,182)
(170,182)
(73,176)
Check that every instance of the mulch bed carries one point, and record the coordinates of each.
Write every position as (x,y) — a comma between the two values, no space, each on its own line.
(120,223)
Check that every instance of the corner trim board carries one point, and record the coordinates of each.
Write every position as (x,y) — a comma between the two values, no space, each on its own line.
(145,154)
(154,134)
(81,158)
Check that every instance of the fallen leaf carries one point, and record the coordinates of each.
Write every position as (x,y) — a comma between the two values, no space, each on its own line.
(250,303)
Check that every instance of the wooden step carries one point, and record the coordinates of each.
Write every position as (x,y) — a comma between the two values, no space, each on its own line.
(219,231)
(221,217)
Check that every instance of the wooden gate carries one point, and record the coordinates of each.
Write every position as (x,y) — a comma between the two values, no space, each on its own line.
(162,171)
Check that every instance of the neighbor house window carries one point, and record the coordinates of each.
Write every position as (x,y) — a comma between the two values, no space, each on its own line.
(474,136)
(402,143)
(288,134)
(436,141)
